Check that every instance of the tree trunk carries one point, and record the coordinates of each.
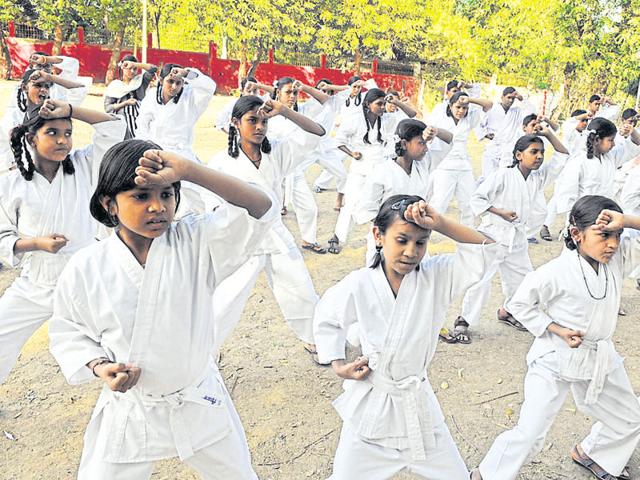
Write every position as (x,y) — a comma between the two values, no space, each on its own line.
(115,56)
(57,40)
(357,61)
(242,71)
(5,60)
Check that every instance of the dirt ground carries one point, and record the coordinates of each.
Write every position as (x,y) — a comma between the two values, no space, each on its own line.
(284,400)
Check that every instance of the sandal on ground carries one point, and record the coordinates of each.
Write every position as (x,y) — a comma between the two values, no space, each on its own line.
(475,474)
(509,320)
(311,350)
(586,462)
(621,311)
(533,240)
(460,333)
(284,211)
(315,248)
(334,245)
(318,189)
(545,234)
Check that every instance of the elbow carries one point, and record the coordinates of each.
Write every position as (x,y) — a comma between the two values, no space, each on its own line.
(319,131)
(262,205)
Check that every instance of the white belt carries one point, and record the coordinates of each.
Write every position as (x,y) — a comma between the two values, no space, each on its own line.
(603,359)
(417,417)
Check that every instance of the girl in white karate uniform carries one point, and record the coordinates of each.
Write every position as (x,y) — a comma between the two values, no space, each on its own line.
(392,421)
(168,118)
(573,131)
(67,69)
(591,170)
(362,136)
(44,214)
(135,311)
(34,89)
(502,126)
(504,202)
(253,158)
(352,102)
(409,172)
(571,306)
(454,176)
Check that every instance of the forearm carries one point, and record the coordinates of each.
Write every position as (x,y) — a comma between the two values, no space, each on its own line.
(303,122)
(484,103)
(90,116)
(231,189)
(632,221)
(635,136)
(264,87)
(338,88)
(406,108)
(319,95)
(24,245)
(144,66)
(53,59)
(460,233)
(65,83)
(556,143)
(445,135)
(554,125)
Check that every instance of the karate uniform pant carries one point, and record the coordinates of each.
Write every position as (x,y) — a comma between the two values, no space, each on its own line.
(290,282)
(446,184)
(544,394)
(225,459)
(552,212)
(333,163)
(512,266)
(24,306)
(358,459)
(490,162)
(353,190)
(298,193)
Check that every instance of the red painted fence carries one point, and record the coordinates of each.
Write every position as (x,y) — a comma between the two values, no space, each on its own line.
(94,60)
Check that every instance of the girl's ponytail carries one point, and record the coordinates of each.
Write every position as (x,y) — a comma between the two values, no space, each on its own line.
(19,149)
(377,258)
(365,139)
(233,142)
(22,100)
(265,146)
(591,138)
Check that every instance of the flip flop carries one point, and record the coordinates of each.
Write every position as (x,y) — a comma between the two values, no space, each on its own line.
(315,248)
(512,322)
(460,333)
(545,234)
(334,246)
(586,462)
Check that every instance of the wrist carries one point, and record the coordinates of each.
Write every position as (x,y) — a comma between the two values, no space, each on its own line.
(96,363)
(186,170)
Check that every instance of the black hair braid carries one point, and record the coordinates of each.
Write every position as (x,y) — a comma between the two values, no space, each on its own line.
(19,147)
(590,148)
(67,166)
(377,258)
(22,100)
(233,142)
(265,146)
(274,94)
(399,150)
(365,139)
(159,93)
(379,123)
(358,99)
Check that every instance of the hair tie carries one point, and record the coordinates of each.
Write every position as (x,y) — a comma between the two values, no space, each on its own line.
(396,138)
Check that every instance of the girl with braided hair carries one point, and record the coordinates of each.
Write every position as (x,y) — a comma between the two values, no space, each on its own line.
(44,213)
(34,89)
(168,118)
(253,158)
(408,172)
(592,167)
(363,136)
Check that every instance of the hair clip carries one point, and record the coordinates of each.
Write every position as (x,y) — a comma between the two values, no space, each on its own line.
(400,205)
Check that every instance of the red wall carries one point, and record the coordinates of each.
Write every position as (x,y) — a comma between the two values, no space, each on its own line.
(94,60)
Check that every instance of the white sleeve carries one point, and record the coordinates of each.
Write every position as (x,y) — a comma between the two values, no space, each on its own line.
(483,197)
(552,169)
(630,195)
(229,236)
(567,187)
(223,119)
(629,253)
(348,128)
(9,214)
(534,293)
(610,112)
(623,151)
(74,340)
(70,67)
(370,199)
(438,151)
(105,135)
(470,262)
(202,90)
(145,117)
(334,312)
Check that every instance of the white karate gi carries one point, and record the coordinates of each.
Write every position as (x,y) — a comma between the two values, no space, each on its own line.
(223,120)
(454,176)
(630,194)
(159,318)
(506,189)
(556,292)
(13,117)
(172,125)
(590,176)
(388,179)
(36,208)
(351,134)
(278,253)
(392,420)
(507,128)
